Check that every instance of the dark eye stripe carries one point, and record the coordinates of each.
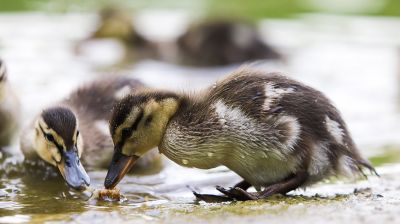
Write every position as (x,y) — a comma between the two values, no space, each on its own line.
(126,132)
(59,147)
(149,119)
(136,123)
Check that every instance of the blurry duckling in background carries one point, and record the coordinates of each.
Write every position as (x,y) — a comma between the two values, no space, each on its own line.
(206,43)
(223,42)
(117,23)
(276,133)
(9,110)
(76,129)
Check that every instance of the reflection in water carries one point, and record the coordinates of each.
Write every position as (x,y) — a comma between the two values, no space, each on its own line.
(37,189)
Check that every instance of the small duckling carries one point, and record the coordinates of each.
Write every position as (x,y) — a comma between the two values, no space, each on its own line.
(276,133)
(76,130)
(9,109)
(222,42)
(117,24)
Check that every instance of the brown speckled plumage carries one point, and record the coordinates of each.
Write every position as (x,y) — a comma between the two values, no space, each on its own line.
(276,133)
(245,91)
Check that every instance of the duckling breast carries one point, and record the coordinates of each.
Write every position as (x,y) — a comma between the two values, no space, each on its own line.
(192,145)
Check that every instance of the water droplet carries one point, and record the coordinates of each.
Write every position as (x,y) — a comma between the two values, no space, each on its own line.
(185,161)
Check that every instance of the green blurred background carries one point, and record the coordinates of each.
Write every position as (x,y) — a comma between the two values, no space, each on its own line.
(251,9)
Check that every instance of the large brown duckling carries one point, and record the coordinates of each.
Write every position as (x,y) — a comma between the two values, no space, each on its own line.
(222,42)
(74,133)
(9,109)
(276,133)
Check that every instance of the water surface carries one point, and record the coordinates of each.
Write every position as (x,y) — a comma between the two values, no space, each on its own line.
(354,64)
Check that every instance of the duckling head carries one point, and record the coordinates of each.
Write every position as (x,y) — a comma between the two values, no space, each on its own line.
(137,124)
(58,142)
(115,23)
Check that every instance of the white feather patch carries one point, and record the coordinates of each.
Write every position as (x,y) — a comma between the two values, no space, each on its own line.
(122,92)
(294,130)
(231,114)
(319,160)
(334,130)
(272,94)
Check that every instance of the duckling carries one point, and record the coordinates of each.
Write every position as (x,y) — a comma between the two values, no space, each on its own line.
(117,24)
(9,109)
(276,133)
(222,42)
(76,130)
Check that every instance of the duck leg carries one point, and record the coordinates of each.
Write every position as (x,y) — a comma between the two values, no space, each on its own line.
(290,183)
(228,196)
(210,198)
(231,192)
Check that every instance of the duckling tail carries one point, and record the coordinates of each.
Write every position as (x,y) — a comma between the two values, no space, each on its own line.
(359,164)
(362,163)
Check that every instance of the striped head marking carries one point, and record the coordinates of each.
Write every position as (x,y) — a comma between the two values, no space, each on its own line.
(58,142)
(138,121)
(137,124)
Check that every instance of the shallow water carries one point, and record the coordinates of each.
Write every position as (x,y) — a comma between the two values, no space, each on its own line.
(354,64)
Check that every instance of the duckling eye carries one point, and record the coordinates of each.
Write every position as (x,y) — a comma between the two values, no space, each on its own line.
(125,132)
(149,119)
(49,137)
(77,133)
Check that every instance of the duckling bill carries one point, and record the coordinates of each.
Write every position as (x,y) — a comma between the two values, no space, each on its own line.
(276,133)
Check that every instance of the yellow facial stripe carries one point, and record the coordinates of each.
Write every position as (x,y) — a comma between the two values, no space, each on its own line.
(58,140)
(130,119)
